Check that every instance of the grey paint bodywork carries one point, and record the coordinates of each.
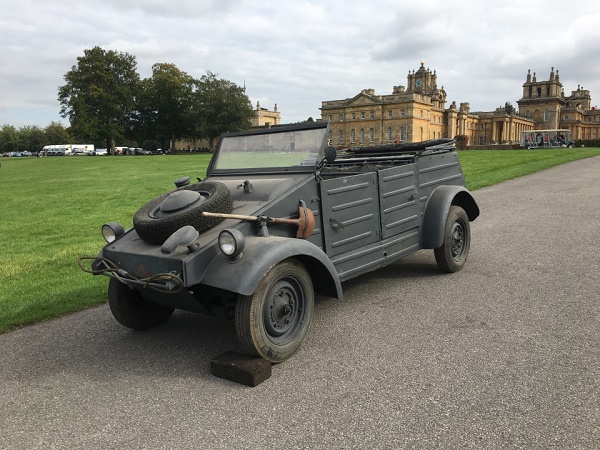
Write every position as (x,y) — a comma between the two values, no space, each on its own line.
(369,212)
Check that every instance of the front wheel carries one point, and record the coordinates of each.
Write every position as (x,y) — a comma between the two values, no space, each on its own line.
(132,310)
(273,322)
(452,255)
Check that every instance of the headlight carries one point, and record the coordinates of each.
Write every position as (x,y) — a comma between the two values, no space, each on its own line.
(231,243)
(112,231)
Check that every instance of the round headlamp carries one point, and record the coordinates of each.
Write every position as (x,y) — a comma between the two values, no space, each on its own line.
(231,243)
(112,231)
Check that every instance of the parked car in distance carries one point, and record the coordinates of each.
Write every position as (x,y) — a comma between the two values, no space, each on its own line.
(281,217)
(99,152)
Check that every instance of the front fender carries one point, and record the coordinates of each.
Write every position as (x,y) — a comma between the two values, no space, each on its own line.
(260,255)
(436,212)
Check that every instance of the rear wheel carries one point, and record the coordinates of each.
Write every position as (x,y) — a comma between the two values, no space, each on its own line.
(273,322)
(132,310)
(452,255)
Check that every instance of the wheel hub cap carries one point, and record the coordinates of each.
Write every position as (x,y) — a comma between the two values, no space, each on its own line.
(282,312)
(458,240)
(179,200)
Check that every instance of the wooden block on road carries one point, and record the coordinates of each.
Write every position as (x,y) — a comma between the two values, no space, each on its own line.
(240,368)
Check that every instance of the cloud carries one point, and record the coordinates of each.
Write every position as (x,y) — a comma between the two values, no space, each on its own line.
(298,54)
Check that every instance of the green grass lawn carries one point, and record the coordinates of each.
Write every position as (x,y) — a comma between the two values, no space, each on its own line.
(53,209)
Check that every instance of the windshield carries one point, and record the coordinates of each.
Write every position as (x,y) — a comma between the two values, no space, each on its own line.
(271,150)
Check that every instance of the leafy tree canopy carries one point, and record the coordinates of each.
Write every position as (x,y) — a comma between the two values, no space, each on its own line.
(99,94)
(220,106)
(165,102)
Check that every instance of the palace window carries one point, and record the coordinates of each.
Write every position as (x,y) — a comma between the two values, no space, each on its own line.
(331,118)
(566,117)
(372,135)
(353,136)
(402,134)
(341,136)
(330,137)
(402,113)
(389,134)
(341,117)
(390,114)
(362,135)
(362,115)
(546,115)
(372,114)
(353,115)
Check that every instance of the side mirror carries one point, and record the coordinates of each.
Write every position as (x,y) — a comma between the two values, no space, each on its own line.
(330,154)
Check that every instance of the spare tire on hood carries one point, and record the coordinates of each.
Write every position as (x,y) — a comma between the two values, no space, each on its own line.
(160,218)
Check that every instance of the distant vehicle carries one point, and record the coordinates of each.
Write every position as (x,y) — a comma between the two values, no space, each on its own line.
(68,149)
(99,152)
(546,139)
(26,153)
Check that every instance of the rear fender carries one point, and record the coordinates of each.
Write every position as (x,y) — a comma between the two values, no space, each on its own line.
(260,255)
(436,212)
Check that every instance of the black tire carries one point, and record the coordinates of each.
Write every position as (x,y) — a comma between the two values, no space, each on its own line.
(273,322)
(131,310)
(452,255)
(155,226)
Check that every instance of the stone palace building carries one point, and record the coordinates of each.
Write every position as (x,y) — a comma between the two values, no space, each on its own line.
(418,112)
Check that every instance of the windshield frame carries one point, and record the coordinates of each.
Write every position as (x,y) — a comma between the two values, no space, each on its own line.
(226,139)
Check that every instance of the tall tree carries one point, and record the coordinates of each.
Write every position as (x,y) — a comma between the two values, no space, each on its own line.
(99,94)
(32,138)
(165,101)
(9,138)
(509,108)
(56,133)
(220,106)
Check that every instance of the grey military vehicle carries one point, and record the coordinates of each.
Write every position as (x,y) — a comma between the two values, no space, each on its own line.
(282,216)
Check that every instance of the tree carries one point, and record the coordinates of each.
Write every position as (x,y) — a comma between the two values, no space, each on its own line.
(509,108)
(164,104)
(462,141)
(9,138)
(31,138)
(220,106)
(56,133)
(99,94)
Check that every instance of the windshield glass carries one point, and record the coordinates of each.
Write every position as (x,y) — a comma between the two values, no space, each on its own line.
(271,150)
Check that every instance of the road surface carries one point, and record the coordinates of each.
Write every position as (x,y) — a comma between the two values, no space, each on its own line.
(504,354)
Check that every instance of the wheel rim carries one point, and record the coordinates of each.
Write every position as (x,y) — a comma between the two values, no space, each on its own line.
(459,244)
(284,310)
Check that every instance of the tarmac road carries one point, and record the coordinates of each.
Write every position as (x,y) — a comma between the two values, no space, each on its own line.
(504,354)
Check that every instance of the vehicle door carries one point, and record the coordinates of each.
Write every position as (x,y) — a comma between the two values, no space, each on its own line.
(398,199)
(350,212)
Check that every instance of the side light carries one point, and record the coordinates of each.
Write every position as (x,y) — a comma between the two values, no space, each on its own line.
(112,231)
(232,243)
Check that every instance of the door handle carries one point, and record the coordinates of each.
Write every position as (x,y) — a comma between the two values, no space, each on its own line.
(336,224)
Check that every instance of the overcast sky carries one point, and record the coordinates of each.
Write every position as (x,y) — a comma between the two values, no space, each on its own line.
(297,54)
